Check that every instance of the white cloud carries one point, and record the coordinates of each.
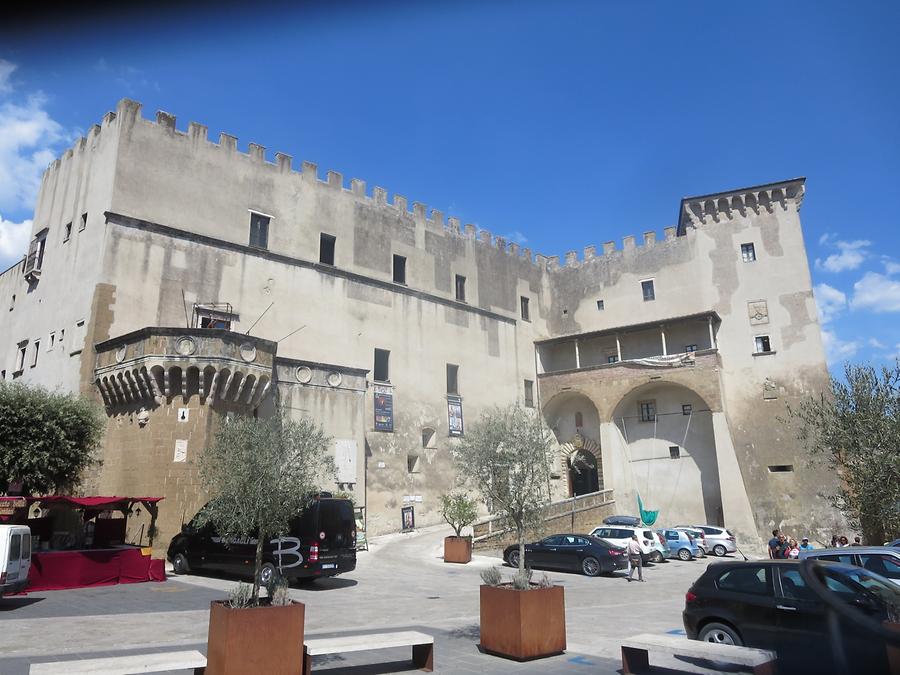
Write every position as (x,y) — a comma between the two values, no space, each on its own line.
(850,256)
(891,267)
(830,301)
(6,71)
(876,292)
(876,343)
(515,237)
(837,349)
(13,239)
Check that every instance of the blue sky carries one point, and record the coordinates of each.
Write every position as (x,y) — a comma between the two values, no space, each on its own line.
(555,125)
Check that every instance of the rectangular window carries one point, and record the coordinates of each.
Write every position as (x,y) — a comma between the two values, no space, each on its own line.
(20,356)
(648,290)
(612,358)
(748,252)
(526,314)
(34,261)
(68,232)
(460,288)
(687,409)
(382,362)
(52,342)
(399,269)
(259,230)
(600,305)
(83,223)
(452,379)
(674,452)
(647,410)
(762,344)
(12,302)
(690,348)
(412,463)
(326,249)
(529,393)
(35,352)
(781,468)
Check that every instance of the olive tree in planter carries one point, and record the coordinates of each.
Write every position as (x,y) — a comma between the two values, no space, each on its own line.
(261,473)
(459,510)
(507,455)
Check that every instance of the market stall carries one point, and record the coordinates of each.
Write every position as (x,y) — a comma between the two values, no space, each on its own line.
(81,541)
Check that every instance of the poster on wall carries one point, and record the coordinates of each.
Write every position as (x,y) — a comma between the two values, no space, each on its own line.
(454,412)
(408,518)
(384,411)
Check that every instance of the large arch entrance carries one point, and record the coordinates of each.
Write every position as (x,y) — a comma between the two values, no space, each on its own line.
(667,443)
(576,425)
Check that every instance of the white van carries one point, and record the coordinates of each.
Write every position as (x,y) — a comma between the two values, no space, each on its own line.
(15,557)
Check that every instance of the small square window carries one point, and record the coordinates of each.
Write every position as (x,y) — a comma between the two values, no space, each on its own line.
(674,452)
(452,379)
(460,288)
(648,290)
(690,348)
(381,371)
(259,230)
(647,410)
(687,409)
(399,269)
(600,306)
(326,249)
(781,468)
(762,344)
(529,393)
(83,223)
(429,438)
(612,358)
(526,314)
(52,341)
(67,232)
(748,252)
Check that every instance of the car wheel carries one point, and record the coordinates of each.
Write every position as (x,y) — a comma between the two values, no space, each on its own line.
(684,554)
(513,559)
(720,550)
(656,557)
(721,634)
(266,573)
(590,566)
(180,564)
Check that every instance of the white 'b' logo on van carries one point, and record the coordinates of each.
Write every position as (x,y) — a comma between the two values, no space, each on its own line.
(292,551)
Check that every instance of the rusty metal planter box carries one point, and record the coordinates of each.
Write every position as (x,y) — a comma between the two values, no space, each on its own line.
(255,640)
(457,549)
(523,625)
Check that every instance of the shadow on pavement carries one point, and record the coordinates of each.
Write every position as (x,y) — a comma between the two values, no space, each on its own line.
(9,604)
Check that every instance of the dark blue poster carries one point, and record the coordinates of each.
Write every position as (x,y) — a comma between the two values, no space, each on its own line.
(384,411)
(455,415)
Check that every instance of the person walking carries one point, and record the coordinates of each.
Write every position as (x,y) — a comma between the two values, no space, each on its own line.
(856,541)
(843,542)
(793,551)
(773,544)
(805,545)
(634,558)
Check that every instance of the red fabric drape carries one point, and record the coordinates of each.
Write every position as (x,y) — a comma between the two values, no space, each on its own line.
(57,570)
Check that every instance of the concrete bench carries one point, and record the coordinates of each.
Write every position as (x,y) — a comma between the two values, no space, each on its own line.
(125,665)
(422,647)
(635,653)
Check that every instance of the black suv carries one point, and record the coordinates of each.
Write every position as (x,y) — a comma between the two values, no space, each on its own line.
(321,543)
(767,604)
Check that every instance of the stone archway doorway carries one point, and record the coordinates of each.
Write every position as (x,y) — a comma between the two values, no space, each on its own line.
(583,475)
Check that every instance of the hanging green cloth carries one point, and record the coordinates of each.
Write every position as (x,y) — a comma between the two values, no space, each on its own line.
(647,517)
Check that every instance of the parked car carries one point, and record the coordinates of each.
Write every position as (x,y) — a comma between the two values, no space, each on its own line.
(768,605)
(717,540)
(661,550)
(894,544)
(620,535)
(321,543)
(15,557)
(579,552)
(697,534)
(882,560)
(682,545)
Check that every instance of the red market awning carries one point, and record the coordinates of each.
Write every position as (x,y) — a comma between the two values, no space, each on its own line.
(95,502)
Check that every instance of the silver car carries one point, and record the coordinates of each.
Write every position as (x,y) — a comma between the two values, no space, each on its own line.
(883,560)
(719,541)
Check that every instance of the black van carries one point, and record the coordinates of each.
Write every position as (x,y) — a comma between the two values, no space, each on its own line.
(321,543)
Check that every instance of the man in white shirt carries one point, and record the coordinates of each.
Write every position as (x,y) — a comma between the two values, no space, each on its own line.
(634,558)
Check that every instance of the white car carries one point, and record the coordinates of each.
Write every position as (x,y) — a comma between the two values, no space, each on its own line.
(620,535)
(718,540)
(15,557)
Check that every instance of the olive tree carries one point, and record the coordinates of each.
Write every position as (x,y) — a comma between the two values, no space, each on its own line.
(261,473)
(47,439)
(459,510)
(507,455)
(854,428)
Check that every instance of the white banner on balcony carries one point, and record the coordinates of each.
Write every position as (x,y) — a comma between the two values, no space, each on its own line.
(671,361)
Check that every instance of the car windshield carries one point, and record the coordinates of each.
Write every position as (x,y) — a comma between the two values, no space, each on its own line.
(851,582)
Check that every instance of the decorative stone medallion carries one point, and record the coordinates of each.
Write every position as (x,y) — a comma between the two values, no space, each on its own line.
(248,352)
(185,346)
(758,311)
(333,379)
(120,353)
(304,374)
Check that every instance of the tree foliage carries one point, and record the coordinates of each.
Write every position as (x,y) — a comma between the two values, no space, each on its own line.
(459,510)
(47,439)
(855,429)
(507,456)
(261,474)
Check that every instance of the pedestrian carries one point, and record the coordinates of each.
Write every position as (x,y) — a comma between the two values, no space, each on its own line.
(834,541)
(843,542)
(793,551)
(634,558)
(856,541)
(773,544)
(782,547)
(805,545)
